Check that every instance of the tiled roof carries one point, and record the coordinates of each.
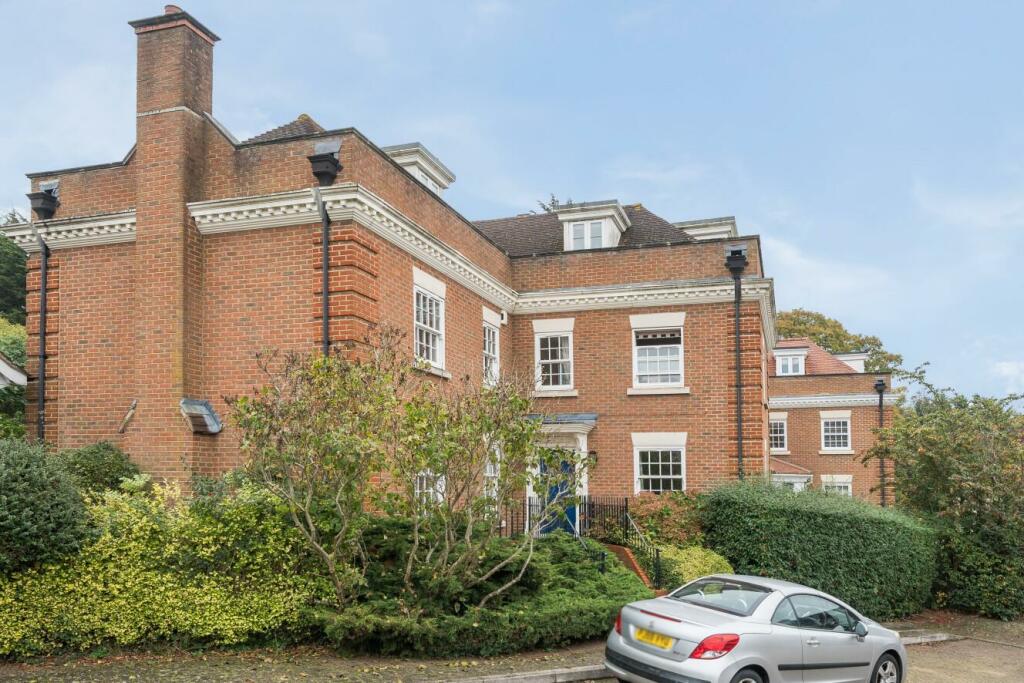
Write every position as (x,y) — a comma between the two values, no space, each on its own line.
(818,362)
(780,466)
(541,233)
(303,125)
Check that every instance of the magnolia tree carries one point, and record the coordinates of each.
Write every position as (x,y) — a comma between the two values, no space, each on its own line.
(361,433)
(312,437)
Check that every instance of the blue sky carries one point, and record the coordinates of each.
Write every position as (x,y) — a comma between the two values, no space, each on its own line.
(877,148)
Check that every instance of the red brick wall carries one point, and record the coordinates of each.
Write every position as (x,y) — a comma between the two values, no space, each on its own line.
(603,371)
(804,429)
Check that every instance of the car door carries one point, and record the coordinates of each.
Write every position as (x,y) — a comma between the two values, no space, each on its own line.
(787,644)
(832,651)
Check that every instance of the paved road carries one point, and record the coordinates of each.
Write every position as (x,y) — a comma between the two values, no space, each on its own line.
(965,661)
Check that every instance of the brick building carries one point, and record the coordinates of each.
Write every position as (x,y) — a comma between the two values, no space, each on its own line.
(169,269)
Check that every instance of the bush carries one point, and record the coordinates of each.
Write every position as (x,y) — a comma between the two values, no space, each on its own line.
(880,561)
(681,565)
(669,518)
(575,602)
(41,514)
(161,569)
(981,575)
(99,467)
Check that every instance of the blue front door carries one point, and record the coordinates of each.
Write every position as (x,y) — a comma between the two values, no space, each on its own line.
(567,521)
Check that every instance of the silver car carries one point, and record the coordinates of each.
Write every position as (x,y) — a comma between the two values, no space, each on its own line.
(746,629)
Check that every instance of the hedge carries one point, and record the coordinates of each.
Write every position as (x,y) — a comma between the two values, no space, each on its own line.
(576,602)
(98,467)
(880,561)
(41,513)
(162,570)
(682,565)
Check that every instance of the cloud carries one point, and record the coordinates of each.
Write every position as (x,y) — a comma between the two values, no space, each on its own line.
(1012,373)
(657,174)
(822,282)
(992,211)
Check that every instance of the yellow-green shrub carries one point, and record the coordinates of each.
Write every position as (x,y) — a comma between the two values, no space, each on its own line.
(155,571)
(683,564)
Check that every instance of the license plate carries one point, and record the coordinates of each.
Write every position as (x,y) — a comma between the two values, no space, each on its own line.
(655,639)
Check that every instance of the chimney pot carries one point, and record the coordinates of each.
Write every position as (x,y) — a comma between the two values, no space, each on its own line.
(172,9)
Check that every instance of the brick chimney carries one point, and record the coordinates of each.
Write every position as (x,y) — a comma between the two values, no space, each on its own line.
(175,89)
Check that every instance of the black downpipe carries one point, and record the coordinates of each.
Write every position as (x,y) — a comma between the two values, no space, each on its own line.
(325,257)
(44,258)
(880,388)
(739,376)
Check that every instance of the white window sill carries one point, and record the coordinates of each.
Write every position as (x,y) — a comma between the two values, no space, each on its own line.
(656,391)
(431,370)
(555,393)
(844,451)
(775,451)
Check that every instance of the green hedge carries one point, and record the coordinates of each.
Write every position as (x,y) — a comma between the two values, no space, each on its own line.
(682,565)
(41,513)
(576,602)
(97,467)
(160,569)
(982,573)
(880,561)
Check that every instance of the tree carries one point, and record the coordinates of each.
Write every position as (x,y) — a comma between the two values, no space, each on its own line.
(959,461)
(12,398)
(831,335)
(12,273)
(312,436)
(554,204)
(464,454)
(358,435)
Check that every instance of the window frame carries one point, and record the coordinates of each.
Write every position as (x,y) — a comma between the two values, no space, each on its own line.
(783,419)
(658,441)
(491,378)
(848,448)
(540,363)
(587,237)
(657,322)
(436,492)
(854,617)
(428,286)
(840,484)
(637,384)
(784,359)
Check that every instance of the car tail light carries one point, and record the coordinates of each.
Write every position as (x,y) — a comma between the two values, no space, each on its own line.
(618,623)
(715,646)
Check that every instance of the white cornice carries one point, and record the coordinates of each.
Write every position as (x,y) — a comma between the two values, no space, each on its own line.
(74,232)
(830,401)
(350,202)
(683,292)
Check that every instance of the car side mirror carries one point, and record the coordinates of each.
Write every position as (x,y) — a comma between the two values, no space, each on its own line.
(860,629)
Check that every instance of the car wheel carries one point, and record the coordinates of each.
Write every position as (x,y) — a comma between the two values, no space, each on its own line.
(747,676)
(887,670)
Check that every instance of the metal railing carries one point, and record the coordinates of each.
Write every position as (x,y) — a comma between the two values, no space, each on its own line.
(602,518)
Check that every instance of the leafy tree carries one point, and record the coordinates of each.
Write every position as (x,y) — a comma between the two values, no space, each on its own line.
(12,398)
(12,273)
(313,437)
(831,335)
(959,460)
(451,439)
(359,430)
(554,204)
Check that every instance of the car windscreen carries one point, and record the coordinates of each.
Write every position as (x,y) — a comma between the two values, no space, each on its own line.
(725,595)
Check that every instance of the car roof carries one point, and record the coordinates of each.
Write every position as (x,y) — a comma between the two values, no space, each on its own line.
(785,587)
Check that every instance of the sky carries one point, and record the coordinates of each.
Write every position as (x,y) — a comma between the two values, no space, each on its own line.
(876,147)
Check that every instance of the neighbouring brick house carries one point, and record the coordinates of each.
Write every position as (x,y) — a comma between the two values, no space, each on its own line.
(171,268)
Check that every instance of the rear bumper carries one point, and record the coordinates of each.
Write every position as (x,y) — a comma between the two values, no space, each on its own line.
(631,669)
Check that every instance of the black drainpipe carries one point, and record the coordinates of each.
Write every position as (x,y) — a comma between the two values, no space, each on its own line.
(325,258)
(44,204)
(880,388)
(325,166)
(736,262)
(44,259)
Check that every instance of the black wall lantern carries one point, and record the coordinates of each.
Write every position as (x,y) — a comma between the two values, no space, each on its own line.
(324,162)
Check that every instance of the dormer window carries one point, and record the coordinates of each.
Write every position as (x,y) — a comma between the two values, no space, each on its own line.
(790,362)
(588,235)
(592,225)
